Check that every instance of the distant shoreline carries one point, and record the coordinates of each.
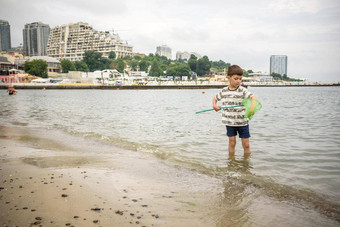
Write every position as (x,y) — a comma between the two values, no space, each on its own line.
(147,87)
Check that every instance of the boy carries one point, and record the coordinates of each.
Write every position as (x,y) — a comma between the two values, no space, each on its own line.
(233,118)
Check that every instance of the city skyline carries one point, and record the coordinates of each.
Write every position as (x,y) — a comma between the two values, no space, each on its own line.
(246,33)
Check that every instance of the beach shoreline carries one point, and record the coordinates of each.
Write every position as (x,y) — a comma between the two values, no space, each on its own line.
(62,187)
(55,179)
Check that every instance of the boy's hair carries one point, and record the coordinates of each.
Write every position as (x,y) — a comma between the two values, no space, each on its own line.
(235,69)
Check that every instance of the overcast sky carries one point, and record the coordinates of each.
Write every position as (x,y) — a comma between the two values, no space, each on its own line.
(243,32)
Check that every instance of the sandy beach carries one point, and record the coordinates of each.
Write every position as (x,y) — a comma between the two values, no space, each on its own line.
(62,187)
(54,179)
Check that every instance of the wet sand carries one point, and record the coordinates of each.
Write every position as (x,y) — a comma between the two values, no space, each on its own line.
(49,178)
(63,187)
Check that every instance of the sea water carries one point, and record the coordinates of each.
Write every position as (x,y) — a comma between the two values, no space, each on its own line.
(294,137)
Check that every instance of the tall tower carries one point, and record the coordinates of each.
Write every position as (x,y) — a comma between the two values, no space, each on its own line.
(278,64)
(164,51)
(5,35)
(35,36)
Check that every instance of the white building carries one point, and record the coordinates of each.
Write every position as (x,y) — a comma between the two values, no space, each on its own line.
(72,40)
(164,51)
(260,77)
(186,55)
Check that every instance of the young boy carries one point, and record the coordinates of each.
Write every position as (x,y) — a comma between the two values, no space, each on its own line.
(233,118)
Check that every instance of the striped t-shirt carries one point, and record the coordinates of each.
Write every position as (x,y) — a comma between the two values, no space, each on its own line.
(233,116)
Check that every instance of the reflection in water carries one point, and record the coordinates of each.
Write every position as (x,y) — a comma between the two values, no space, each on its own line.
(237,196)
(235,165)
(242,190)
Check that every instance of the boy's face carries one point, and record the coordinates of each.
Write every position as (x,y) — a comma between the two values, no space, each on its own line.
(234,81)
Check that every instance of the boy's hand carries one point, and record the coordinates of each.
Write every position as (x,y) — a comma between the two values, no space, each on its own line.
(253,104)
(217,108)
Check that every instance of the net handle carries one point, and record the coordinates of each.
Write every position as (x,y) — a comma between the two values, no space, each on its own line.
(222,107)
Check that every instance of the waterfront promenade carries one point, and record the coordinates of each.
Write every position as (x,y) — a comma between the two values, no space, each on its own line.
(147,87)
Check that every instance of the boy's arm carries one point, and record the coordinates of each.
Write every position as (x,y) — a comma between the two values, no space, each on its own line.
(214,101)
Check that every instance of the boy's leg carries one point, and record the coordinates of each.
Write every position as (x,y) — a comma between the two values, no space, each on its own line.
(232,144)
(245,145)
(244,134)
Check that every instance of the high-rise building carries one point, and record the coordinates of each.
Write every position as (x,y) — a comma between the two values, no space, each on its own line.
(278,64)
(164,51)
(35,37)
(72,40)
(5,35)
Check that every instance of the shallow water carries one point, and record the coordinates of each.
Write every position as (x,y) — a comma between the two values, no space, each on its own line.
(294,137)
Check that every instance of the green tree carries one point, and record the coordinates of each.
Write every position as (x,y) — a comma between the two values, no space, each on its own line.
(36,67)
(138,58)
(81,66)
(219,65)
(192,62)
(105,63)
(134,65)
(127,57)
(119,64)
(112,55)
(95,61)
(92,60)
(144,65)
(155,70)
(178,70)
(203,66)
(276,76)
(67,66)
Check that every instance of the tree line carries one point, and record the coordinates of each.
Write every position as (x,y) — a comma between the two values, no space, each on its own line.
(155,65)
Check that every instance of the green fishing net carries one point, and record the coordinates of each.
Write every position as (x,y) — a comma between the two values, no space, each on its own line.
(251,108)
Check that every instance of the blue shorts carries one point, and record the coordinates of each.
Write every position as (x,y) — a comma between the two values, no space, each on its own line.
(243,131)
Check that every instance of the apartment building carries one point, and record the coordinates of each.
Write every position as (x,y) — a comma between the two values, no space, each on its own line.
(35,37)
(278,64)
(72,40)
(164,51)
(5,35)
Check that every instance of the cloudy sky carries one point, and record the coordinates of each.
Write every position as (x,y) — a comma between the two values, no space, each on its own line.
(243,32)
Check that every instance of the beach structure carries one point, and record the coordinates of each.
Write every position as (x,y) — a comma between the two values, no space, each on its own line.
(164,50)
(278,64)
(35,37)
(5,65)
(5,35)
(72,40)
(14,76)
